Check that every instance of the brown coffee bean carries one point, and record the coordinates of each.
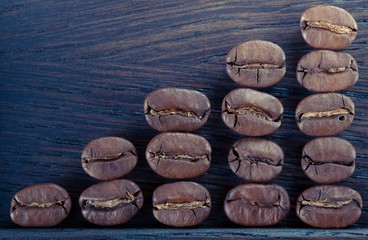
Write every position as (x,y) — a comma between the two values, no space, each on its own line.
(327,71)
(328,159)
(257,204)
(250,112)
(329,206)
(324,114)
(176,109)
(108,158)
(328,27)
(41,205)
(179,155)
(181,204)
(256,160)
(111,203)
(256,64)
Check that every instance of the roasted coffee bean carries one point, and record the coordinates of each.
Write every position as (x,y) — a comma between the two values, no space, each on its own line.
(41,205)
(111,202)
(179,155)
(250,112)
(324,114)
(256,160)
(328,159)
(176,109)
(181,204)
(328,27)
(108,158)
(329,206)
(256,64)
(327,71)
(257,204)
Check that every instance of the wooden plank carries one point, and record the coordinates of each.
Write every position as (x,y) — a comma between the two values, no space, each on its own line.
(73,71)
(159,233)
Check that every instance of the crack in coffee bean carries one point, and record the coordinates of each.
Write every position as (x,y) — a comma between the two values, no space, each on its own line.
(326,204)
(317,163)
(330,70)
(183,157)
(330,27)
(254,111)
(253,161)
(326,114)
(104,158)
(168,112)
(39,204)
(256,65)
(112,203)
(185,205)
(259,204)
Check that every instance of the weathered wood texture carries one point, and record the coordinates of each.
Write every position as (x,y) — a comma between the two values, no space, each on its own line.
(74,71)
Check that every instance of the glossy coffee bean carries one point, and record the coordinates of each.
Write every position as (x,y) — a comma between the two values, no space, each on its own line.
(108,158)
(256,64)
(329,206)
(256,160)
(111,203)
(179,155)
(176,109)
(328,159)
(324,114)
(41,205)
(181,204)
(257,205)
(328,27)
(250,112)
(327,71)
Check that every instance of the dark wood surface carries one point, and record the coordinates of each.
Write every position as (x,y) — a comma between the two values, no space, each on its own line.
(74,71)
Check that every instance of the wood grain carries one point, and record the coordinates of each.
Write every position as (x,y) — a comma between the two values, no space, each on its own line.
(74,71)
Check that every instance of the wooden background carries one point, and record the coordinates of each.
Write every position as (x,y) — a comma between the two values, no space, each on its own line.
(74,71)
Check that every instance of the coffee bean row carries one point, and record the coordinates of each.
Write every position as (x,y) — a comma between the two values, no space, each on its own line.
(253,113)
(327,160)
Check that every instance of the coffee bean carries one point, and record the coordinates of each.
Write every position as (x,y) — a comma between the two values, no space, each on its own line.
(329,206)
(111,202)
(327,71)
(250,112)
(181,204)
(328,159)
(176,109)
(179,155)
(257,204)
(256,64)
(328,27)
(108,158)
(41,205)
(324,114)
(256,160)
